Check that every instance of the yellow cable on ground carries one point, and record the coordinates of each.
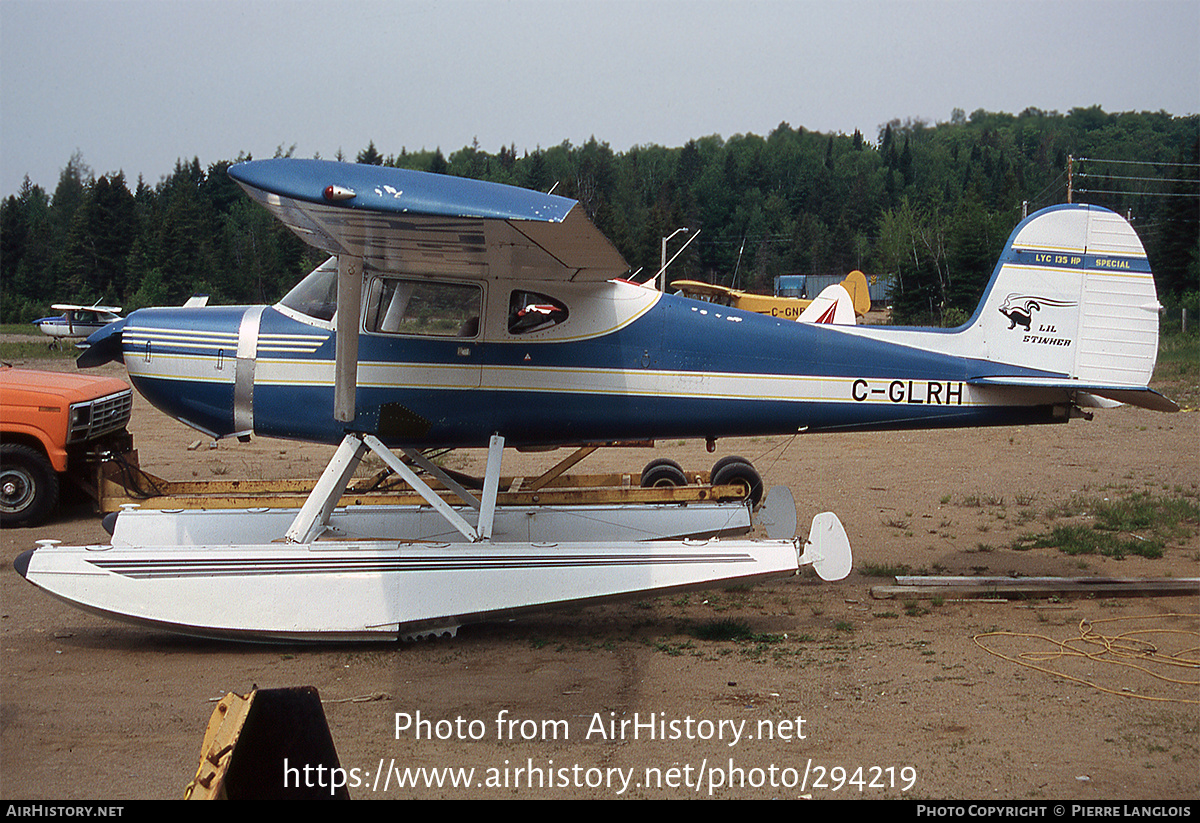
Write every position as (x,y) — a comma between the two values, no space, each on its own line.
(1132,649)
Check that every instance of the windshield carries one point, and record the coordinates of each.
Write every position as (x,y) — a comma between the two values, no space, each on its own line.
(316,295)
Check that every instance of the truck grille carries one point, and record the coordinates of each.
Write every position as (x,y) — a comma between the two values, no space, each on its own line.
(100,416)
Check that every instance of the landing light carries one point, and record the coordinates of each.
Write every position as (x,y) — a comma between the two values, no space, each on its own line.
(338,193)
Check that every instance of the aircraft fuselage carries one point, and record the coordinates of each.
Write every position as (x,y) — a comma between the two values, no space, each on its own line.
(612,361)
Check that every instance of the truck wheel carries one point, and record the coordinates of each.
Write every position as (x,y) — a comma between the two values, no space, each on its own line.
(28,485)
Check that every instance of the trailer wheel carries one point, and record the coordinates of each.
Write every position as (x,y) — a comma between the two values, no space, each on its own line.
(663,472)
(28,485)
(725,461)
(732,470)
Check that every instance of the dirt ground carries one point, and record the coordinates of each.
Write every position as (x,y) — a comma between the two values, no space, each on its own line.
(835,693)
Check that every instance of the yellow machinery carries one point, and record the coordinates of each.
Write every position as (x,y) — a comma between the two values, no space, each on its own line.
(785,307)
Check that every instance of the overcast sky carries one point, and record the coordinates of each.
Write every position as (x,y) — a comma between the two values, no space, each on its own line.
(135,85)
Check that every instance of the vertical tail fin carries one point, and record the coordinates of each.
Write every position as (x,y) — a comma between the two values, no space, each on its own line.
(859,290)
(833,305)
(1072,303)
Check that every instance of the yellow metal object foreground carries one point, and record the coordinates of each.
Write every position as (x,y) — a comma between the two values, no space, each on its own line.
(267,745)
(151,492)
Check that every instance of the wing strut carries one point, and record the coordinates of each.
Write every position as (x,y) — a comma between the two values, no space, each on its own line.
(349,309)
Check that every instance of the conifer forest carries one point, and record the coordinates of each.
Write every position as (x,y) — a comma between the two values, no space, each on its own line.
(924,207)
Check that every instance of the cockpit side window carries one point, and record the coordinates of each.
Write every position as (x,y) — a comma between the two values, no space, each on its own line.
(316,295)
(424,307)
(529,312)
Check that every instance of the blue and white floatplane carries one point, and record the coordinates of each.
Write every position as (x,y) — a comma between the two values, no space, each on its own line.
(457,313)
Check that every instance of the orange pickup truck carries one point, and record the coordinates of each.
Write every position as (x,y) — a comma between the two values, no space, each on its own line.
(55,426)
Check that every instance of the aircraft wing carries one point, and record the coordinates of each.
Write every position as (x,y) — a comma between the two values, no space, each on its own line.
(695,287)
(422,223)
(96,309)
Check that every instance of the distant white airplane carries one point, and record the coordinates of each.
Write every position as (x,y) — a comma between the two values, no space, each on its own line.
(77,321)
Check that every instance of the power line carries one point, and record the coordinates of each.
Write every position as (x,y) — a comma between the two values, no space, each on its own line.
(1138,193)
(1141,179)
(1138,162)
(1071,174)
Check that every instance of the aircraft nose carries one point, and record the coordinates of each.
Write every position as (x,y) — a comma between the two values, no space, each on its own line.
(194,364)
(103,346)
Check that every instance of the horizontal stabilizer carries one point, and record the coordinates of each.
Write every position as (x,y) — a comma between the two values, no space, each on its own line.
(1145,398)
